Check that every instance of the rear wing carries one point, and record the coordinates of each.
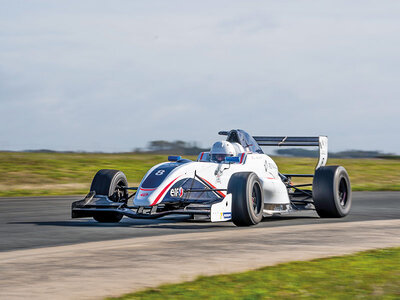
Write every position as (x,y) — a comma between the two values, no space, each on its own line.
(294,141)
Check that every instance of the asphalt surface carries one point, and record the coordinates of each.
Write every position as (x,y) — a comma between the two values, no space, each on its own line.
(36,222)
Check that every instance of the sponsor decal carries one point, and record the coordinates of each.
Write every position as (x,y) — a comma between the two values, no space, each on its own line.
(144,194)
(227,215)
(176,192)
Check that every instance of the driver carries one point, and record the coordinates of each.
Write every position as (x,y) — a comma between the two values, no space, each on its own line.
(220,150)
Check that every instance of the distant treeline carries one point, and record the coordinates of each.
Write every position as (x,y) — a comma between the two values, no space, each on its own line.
(175,147)
(299,152)
(187,148)
(154,147)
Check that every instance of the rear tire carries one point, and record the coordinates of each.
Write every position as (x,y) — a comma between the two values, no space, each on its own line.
(247,198)
(332,192)
(108,183)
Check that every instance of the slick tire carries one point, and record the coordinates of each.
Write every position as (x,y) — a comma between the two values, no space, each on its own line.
(108,217)
(247,198)
(331,192)
(108,182)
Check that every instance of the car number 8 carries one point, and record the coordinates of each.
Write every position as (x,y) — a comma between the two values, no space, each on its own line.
(159,172)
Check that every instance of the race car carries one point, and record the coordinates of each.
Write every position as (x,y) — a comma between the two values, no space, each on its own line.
(235,181)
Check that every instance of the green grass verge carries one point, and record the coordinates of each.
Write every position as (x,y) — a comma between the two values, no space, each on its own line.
(35,174)
(365,275)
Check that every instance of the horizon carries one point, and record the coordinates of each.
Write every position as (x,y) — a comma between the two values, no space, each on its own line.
(146,150)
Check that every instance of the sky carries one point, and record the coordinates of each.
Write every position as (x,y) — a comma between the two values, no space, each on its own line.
(113,75)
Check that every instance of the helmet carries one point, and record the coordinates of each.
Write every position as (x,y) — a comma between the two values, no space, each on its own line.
(220,150)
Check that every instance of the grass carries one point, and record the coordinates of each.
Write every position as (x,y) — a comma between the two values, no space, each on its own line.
(35,174)
(365,174)
(365,275)
(31,174)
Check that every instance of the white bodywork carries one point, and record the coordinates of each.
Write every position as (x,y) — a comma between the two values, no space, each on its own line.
(218,175)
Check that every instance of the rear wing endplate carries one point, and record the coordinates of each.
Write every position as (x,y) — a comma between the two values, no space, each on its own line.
(294,141)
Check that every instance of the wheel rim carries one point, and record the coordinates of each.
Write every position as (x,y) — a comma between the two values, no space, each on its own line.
(256,198)
(119,194)
(343,192)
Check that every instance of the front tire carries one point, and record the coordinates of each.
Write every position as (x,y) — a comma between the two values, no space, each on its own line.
(247,198)
(108,217)
(332,192)
(109,183)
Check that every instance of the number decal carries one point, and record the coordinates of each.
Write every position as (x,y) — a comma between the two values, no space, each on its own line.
(159,172)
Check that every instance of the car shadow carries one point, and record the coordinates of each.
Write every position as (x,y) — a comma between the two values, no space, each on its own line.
(178,222)
(183,223)
(285,218)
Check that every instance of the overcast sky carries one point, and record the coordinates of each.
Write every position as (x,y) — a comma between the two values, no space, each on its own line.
(113,75)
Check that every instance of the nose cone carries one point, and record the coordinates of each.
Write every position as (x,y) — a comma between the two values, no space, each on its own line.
(142,197)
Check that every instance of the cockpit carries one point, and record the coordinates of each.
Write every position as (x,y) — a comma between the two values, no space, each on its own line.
(237,142)
(244,139)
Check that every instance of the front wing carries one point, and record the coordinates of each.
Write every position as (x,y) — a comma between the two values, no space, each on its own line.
(93,204)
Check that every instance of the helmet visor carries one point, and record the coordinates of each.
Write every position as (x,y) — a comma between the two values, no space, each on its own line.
(219,157)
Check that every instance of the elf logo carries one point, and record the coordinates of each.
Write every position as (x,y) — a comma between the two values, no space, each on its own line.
(176,192)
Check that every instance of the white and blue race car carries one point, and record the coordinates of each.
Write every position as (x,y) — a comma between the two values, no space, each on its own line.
(235,181)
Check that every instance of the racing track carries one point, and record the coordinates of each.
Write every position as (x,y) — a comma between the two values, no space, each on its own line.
(45,253)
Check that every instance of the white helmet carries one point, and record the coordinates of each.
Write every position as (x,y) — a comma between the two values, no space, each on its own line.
(220,150)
